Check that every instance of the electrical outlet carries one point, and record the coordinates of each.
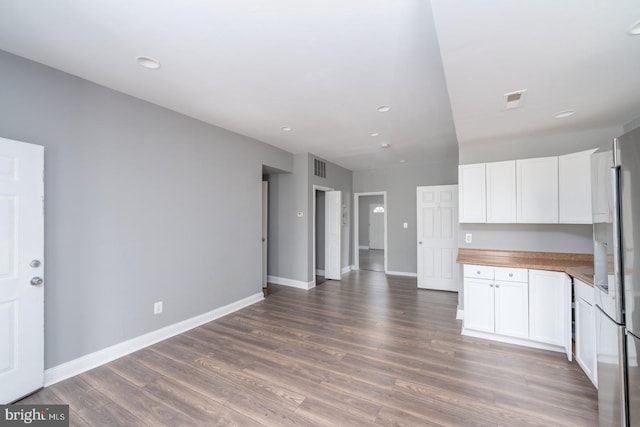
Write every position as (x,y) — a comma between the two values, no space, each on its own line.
(468,238)
(405,225)
(157,307)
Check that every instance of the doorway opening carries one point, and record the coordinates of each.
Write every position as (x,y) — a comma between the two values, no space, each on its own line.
(370,231)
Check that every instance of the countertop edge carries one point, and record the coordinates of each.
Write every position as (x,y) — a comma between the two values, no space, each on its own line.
(575,265)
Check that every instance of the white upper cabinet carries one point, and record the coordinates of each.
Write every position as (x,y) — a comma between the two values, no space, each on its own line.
(472,193)
(537,190)
(574,178)
(501,192)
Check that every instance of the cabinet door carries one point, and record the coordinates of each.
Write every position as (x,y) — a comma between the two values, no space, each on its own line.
(472,193)
(537,190)
(512,309)
(501,192)
(585,337)
(479,305)
(574,187)
(547,306)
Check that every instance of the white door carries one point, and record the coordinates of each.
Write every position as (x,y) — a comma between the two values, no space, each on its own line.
(376,226)
(437,237)
(265,226)
(21,269)
(333,234)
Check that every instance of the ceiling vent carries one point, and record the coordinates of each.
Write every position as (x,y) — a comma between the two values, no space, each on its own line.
(514,99)
(319,168)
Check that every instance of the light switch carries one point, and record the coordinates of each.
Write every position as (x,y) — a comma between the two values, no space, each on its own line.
(405,225)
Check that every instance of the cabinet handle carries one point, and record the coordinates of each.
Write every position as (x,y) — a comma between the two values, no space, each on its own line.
(491,285)
(478,272)
(510,274)
(497,286)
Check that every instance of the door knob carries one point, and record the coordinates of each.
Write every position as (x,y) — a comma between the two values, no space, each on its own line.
(419,243)
(36,281)
(35,263)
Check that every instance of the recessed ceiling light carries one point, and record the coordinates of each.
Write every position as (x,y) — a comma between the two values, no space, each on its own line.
(374,134)
(285,128)
(634,30)
(564,113)
(385,145)
(403,161)
(383,108)
(148,62)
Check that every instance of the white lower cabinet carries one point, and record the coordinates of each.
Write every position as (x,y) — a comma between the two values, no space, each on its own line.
(511,311)
(495,306)
(519,306)
(585,349)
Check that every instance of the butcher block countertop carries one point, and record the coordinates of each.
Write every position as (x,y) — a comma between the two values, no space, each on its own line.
(576,265)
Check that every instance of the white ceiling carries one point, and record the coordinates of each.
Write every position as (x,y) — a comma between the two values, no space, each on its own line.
(323,66)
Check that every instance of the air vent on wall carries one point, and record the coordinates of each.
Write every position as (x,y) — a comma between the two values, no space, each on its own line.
(319,168)
(514,99)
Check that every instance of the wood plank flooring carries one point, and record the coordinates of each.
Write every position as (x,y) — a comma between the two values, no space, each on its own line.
(371,259)
(368,350)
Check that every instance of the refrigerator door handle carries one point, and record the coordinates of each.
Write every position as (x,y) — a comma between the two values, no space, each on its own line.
(618,290)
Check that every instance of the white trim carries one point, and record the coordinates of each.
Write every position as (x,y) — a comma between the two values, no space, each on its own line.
(353,267)
(292,283)
(319,272)
(346,269)
(363,247)
(460,314)
(401,273)
(93,360)
(356,226)
(511,340)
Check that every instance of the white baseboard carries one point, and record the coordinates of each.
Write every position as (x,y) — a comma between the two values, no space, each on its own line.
(353,267)
(319,272)
(401,273)
(510,340)
(346,269)
(459,314)
(100,357)
(292,283)
(363,247)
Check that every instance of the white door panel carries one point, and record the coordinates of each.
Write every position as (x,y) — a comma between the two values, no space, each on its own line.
(376,226)
(333,234)
(21,241)
(437,237)
(265,227)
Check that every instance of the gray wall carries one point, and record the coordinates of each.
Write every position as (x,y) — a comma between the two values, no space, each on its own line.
(363,217)
(400,184)
(291,237)
(539,146)
(142,205)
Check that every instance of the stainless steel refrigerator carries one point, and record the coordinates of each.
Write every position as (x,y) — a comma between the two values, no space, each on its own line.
(616,231)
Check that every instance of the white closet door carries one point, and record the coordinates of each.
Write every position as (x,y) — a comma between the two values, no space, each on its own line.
(333,234)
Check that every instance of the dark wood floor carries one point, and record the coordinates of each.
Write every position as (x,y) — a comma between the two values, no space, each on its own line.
(369,350)
(371,259)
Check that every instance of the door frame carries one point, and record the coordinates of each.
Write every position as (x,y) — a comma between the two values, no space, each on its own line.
(356,227)
(313,238)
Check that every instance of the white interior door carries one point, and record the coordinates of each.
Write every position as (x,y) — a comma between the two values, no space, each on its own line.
(333,234)
(376,226)
(21,269)
(265,227)
(437,228)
